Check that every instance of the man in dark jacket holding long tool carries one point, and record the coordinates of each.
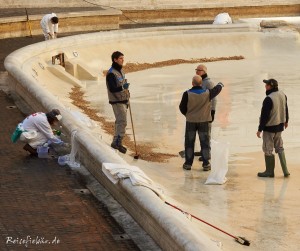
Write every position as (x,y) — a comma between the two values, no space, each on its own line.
(118,96)
(273,120)
(195,105)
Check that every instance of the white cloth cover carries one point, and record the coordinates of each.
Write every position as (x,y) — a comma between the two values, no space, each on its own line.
(222,18)
(219,163)
(115,172)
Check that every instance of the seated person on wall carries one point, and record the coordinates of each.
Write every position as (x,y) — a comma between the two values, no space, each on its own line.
(222,18)
(37,130)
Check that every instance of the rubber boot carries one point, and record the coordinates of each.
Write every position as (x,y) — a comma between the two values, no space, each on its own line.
(117,144)
(270,166)
(114,143)
(283,164)
(121,148)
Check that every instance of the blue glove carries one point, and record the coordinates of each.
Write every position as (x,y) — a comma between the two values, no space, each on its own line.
(126,86)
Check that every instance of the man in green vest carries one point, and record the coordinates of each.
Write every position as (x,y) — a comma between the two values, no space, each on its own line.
(273,120)
(118,96)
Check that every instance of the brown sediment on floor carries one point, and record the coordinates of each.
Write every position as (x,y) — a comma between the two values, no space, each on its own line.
(134,67)
(146,151)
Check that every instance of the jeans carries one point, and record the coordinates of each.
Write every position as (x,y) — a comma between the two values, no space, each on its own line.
(190,136)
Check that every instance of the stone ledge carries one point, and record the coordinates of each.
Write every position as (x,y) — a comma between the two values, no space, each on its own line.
(205,14)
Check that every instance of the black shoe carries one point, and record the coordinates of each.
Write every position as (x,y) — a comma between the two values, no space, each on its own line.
(186,167)
(206,166)
(28,148)
(182,154)
(121,148)
(114,145)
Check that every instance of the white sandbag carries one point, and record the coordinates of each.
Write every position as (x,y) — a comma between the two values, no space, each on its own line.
(222,18)
(219,163)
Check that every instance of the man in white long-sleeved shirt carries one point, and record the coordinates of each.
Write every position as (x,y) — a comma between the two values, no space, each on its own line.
(38,131)
(49,24)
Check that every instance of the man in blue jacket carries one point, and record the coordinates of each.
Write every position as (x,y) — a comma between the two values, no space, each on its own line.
(273,120)
(195,105)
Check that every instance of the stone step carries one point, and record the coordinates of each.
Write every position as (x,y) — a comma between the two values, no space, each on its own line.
(142,4)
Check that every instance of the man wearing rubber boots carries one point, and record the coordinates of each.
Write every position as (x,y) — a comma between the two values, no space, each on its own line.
(273,120)
(118,96)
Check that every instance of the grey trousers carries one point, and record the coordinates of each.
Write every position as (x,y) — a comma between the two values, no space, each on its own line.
(120,111)
(272,140)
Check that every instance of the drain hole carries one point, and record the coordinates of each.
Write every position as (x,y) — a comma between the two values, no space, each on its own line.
(121,237)
(82,191)
(11,107)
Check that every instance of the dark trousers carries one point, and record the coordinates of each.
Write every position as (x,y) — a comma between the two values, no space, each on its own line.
(190,136)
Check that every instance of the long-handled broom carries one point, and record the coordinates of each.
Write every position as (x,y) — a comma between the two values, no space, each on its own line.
(241,240)
(136,156)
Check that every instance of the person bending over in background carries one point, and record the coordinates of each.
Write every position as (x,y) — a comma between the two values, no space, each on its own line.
(49,24)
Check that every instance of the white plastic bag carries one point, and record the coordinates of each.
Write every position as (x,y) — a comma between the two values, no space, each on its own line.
(219,163)
(222,18)
(69,159)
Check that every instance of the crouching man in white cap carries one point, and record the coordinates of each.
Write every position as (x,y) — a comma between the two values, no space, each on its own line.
(37,130)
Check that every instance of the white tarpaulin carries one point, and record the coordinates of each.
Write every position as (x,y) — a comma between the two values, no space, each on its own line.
(219,163)
(115,172)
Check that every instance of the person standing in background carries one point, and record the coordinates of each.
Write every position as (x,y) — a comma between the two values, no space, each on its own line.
(195,106)
(201,70)
(273,120)
(49,24)
(118,96)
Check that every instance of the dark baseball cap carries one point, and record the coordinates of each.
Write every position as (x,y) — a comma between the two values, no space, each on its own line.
(272,82)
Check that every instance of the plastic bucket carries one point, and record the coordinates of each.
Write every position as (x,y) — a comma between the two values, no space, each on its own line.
(63,160)
(43,151)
